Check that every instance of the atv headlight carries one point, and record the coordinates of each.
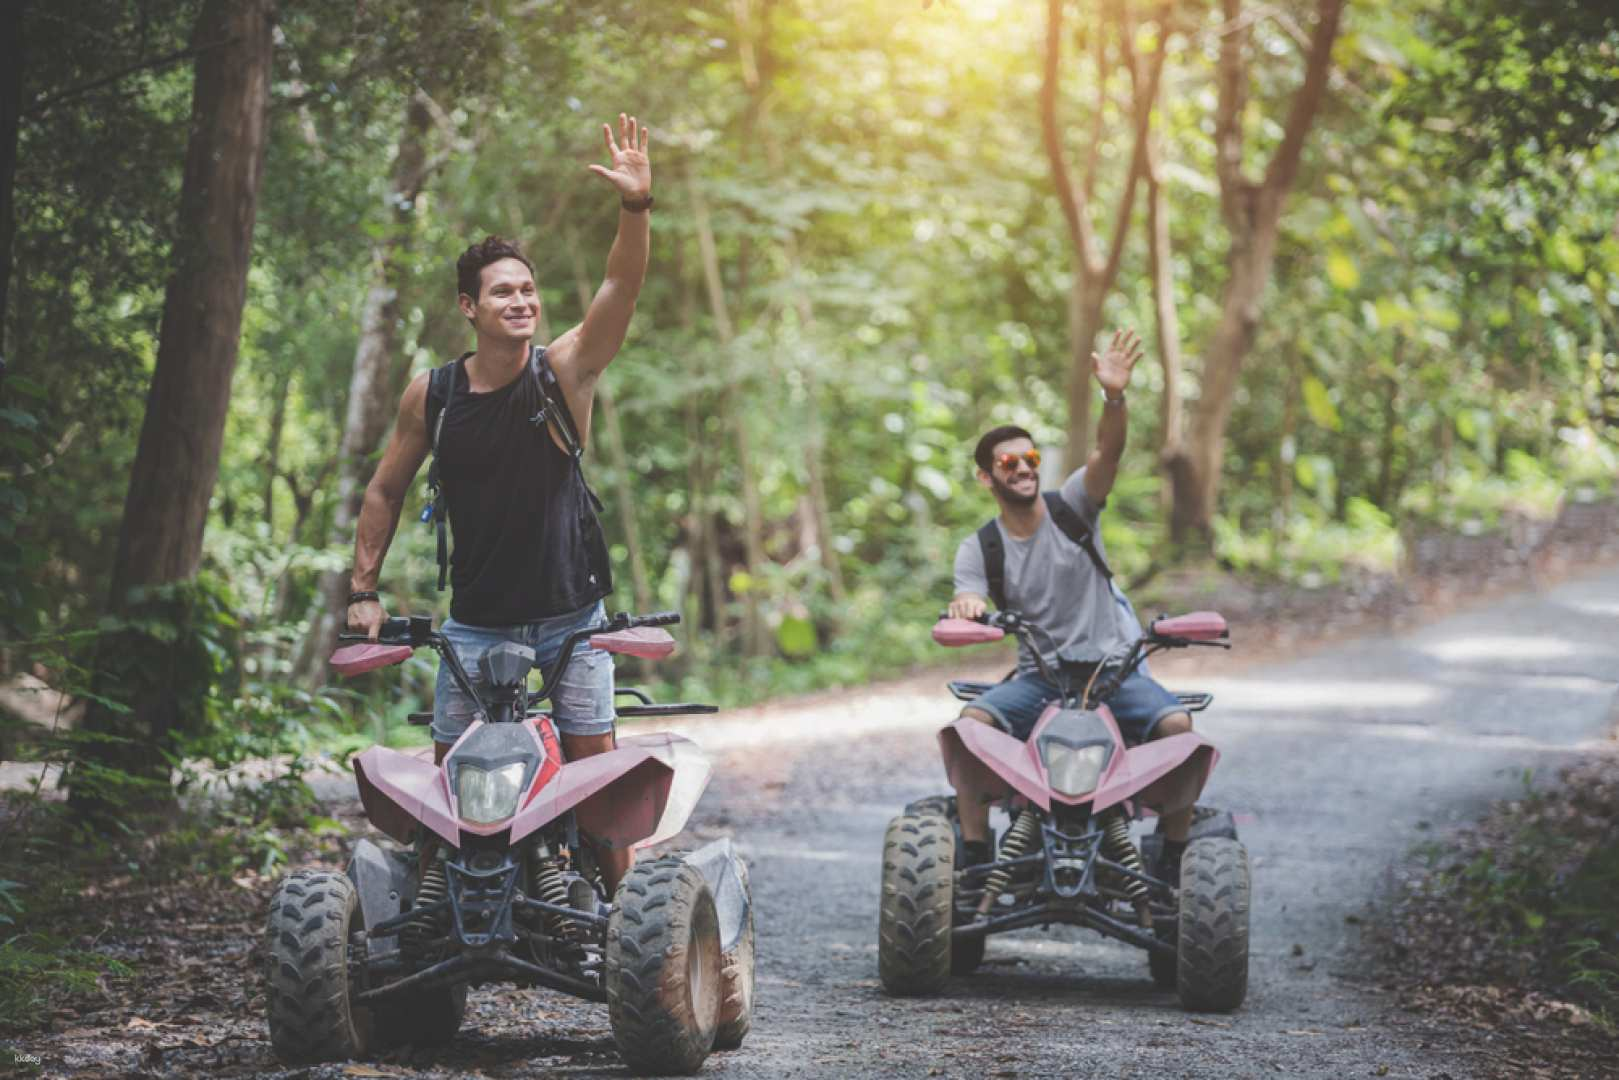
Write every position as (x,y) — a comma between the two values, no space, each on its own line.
(489,795)
(1074,770)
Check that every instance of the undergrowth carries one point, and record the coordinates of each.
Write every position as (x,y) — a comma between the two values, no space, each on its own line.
(1525,899)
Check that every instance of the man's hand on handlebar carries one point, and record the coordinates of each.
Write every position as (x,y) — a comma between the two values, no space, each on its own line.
(967,606)
(367,618)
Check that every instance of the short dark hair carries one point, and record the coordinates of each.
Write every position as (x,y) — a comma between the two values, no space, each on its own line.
(993,438)
(491,249)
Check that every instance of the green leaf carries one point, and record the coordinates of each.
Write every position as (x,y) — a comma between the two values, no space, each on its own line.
(796,637)
(1319,404)
(1341,271)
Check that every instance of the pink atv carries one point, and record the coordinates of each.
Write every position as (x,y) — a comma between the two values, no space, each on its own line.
(383,955)
(1072,791)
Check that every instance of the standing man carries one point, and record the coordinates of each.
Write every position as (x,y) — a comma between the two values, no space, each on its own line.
(1053,572)
(530,563)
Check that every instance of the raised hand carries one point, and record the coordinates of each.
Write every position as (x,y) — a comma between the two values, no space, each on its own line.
(630,171)
(1113,366)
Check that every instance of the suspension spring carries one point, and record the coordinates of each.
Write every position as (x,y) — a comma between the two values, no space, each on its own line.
(419,931)
(549,887)
(1121,849)
(1014,845)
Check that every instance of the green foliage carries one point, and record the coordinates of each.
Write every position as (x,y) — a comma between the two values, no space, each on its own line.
(1439,344)
(36,969)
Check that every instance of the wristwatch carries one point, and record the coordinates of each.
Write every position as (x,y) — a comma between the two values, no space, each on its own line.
(637,206)
(1113,401)
(362,597)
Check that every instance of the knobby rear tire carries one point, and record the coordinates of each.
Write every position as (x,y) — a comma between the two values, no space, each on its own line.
(1213,933)
(913,936)
(663,968)
(309,996)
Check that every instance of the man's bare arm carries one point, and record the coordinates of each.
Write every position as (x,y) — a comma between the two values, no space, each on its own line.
(1113,370)
(384,499)
(581,354)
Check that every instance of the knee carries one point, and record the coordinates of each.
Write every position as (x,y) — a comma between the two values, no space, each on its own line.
(1178,723)
(974,713)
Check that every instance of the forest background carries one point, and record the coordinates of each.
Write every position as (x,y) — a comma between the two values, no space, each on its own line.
(1372,248)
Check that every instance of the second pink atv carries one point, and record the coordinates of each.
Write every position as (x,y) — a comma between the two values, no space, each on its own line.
(494,883)
(1067,856)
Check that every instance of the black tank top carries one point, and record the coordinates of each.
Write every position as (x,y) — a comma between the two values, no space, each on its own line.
(528,544)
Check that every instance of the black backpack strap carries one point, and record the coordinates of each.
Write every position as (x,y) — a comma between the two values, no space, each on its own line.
(1073,526)
(994,549)
(554,406)
(441,388)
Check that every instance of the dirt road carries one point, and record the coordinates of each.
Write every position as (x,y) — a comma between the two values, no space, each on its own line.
(1338,762)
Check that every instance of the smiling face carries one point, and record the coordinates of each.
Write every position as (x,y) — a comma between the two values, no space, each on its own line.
(507,307)
(1013,474)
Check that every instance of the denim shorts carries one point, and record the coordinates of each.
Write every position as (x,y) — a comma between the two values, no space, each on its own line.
(1137,706)
(582,705)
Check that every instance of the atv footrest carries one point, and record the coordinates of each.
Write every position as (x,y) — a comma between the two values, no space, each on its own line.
(967,690)
(673,709)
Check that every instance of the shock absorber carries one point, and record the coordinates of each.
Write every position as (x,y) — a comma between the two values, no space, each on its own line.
(1121,849)
(549,887)
(419,931)
(1015,844)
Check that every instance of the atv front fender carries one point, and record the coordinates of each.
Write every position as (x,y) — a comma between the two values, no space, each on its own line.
(382,883)
(720,866)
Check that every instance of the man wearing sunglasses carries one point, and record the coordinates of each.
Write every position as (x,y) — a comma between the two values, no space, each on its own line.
(1044,556)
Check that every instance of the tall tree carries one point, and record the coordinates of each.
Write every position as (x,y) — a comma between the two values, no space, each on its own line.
(177,460)
(1095,260)
(11,68)
(377,376)
(1251,210)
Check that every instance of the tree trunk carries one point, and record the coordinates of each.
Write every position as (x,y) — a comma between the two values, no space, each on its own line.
(177,459)
(11,65)
(736,419)
(1387,491)
(1094,270)
(1252,212)
(1167,322)
(374,384)
(272,453)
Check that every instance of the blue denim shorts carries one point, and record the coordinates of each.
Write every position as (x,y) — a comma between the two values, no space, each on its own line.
(1138,705)
(582,705)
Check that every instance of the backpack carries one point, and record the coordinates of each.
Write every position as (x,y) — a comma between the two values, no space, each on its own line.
(553,406)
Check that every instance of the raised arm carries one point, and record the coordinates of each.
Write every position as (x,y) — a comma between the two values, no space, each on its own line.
(1113,369)
(384,499)
(581,354)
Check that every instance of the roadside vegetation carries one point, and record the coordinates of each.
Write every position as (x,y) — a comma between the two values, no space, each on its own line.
(1511,926)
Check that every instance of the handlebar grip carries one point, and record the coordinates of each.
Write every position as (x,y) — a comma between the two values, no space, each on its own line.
(658,618)
(394,631)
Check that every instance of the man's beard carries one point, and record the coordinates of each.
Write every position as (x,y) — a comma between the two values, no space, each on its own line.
(1005,492)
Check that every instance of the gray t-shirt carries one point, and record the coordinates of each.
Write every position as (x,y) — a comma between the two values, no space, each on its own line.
(1051,581)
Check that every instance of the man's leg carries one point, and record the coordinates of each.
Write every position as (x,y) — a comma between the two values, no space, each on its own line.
(583,709)
(1013,705)
(1146,712)
(972,802)
(1175,823)
(614,862)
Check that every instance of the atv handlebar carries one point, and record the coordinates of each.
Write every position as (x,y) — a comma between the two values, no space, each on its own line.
(1198,628)
(417,631)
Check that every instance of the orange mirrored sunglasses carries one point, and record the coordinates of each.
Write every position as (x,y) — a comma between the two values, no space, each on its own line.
(1008,462)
